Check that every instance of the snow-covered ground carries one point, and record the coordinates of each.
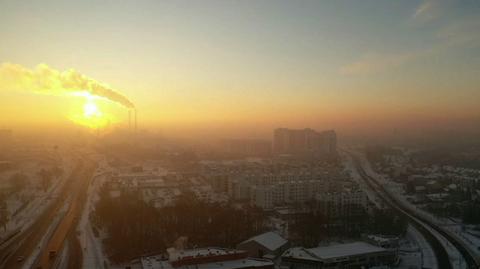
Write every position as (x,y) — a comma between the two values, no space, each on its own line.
(396,190)
(372,196)
(414,251)
(427,256)
(62,263)
(41,245)
(93,255)
(35,203)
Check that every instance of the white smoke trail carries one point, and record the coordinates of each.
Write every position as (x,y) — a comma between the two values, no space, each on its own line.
(46,80)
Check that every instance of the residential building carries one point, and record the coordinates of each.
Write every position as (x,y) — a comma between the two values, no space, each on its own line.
(346,203)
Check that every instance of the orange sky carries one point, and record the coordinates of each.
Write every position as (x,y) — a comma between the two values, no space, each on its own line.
(237,69)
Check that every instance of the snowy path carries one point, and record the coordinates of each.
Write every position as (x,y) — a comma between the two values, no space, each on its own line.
(93,256)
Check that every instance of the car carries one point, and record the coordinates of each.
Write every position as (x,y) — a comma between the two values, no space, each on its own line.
(52,254)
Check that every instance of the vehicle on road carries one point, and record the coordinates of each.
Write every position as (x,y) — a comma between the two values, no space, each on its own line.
(52,254)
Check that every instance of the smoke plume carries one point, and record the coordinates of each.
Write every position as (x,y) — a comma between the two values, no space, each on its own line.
(46,80)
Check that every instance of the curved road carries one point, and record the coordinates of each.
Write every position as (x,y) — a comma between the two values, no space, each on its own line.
(441,255)
(472,260)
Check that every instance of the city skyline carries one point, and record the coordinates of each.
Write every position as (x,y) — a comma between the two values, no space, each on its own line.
(240,134)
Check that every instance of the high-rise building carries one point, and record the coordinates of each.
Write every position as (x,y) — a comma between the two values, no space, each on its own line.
(295,141)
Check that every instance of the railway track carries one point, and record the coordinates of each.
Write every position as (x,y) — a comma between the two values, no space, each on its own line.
(421,223)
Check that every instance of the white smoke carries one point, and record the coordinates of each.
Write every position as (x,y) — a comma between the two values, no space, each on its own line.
(46,80)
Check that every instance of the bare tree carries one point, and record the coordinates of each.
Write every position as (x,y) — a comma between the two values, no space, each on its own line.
(45,178)
(4,215)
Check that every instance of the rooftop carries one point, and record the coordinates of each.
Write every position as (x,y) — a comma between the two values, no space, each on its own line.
(177,255)
(270,240)
(155,262)
(333,251)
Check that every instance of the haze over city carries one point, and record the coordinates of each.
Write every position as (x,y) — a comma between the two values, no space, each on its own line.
(240,134)
(250,66)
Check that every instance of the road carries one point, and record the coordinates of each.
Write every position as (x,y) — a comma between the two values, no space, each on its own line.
(441,254)
(66,229)
(424,224)
(28,239)
(26,242)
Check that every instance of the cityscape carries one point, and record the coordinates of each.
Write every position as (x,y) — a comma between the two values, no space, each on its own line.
(240,134)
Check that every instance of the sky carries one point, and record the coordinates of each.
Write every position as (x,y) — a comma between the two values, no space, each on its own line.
(241,68)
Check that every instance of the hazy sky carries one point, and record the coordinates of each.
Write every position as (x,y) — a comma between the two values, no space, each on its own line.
(238,65)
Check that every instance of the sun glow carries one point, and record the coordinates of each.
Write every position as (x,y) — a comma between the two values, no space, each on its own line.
(90,109)
(90,114)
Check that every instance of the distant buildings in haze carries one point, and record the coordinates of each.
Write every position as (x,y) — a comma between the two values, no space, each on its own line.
(297,142)
(304,141)
(247,147)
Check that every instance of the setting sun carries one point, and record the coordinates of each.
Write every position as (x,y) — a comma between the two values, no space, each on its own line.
(91,114)
(90,109)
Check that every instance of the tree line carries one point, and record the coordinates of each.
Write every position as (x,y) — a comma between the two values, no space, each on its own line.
(135,227)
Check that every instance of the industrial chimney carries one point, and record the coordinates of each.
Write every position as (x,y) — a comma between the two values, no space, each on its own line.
(135,120)
(130,120)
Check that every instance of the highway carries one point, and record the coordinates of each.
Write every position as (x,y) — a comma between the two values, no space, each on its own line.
(421,223)
(441,254)
(66,229)
(23,245)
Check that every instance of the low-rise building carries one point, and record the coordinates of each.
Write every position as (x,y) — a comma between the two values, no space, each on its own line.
(384,241)
(350,255)
(203,258)
(269,244)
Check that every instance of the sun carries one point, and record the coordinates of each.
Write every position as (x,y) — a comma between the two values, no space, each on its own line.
(90,109)
(90,114)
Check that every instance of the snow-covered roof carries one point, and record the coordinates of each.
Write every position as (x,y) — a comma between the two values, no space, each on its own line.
(175,255)
(379,238)
(154,262)
(269,240)
(333,251)
(299,253)
(343,250)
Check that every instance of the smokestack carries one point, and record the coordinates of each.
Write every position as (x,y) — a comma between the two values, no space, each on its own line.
(130,120)
(135,121)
